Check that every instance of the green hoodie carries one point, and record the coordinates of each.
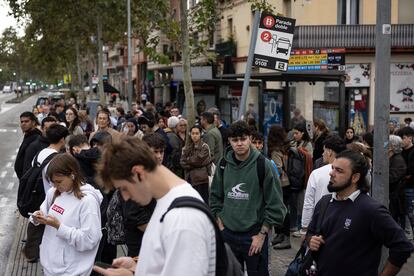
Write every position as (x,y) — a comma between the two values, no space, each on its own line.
(239,201)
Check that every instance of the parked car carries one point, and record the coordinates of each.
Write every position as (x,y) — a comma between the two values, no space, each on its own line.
(7,89)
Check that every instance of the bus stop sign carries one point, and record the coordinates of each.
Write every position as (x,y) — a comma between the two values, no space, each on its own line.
(274,42)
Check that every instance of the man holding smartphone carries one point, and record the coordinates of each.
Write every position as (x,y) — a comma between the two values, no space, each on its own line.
(168,247)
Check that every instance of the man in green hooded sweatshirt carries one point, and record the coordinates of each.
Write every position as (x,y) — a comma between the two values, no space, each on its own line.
(246,209)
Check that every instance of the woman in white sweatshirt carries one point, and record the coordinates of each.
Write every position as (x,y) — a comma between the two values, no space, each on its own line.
(71,213)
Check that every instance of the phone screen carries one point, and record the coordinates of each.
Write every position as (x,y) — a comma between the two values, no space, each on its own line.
(103,265)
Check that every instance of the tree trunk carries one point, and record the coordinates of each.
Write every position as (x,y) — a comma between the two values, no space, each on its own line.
(102,99)
(78,65)
(188,87)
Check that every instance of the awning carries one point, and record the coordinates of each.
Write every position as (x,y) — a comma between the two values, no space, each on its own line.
(108,88)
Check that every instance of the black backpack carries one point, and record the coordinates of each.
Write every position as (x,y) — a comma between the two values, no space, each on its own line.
(31,192)
(296,169)
(226,262)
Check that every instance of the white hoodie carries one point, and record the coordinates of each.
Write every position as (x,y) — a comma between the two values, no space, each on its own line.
(71,250)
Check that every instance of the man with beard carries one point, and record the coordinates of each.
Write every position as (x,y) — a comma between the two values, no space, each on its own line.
(354,226)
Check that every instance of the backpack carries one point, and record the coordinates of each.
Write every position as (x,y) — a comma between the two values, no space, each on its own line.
(260,167)
(31,192)
(296,169)
(299,168)
(226,263)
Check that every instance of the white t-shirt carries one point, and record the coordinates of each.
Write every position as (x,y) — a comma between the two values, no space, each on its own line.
(317,187)
(183,244)
(43,154)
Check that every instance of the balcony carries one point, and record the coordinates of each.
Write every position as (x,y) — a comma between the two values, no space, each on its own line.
(350,36)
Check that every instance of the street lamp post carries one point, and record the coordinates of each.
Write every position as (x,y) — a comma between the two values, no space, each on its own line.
(129,56)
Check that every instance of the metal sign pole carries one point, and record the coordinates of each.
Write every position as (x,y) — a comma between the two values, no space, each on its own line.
(380,182)
(246,81)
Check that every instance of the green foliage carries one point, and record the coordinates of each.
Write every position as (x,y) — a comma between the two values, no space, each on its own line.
(47,51)
(262,6)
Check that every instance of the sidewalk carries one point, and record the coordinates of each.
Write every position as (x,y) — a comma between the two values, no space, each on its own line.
(17,265)
(280,260)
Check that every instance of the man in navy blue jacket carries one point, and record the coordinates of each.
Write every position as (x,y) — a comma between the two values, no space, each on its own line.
(355,226)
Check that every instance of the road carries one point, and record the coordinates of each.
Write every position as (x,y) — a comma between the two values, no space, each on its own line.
(10,137)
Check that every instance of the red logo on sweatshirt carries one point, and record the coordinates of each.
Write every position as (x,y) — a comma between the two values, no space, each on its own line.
(58,209)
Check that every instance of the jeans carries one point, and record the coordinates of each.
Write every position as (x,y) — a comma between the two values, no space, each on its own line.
(409,195)
(240,242)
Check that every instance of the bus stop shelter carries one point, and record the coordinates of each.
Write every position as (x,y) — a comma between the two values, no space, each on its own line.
(299,76)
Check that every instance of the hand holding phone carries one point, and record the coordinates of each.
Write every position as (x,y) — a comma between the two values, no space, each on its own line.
(103,265)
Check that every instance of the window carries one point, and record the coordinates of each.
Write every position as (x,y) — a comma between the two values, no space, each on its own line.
(230,28)
(165,49)
(348,12)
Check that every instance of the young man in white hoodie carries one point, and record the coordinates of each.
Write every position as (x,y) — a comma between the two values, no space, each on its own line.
(184,243)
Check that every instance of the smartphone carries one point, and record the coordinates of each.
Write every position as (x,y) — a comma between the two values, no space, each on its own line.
(103,265)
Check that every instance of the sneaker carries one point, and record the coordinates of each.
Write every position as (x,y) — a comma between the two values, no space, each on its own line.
(285,244)
(296,234)
(278,239)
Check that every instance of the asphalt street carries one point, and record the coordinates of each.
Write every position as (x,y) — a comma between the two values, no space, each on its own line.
(10,139)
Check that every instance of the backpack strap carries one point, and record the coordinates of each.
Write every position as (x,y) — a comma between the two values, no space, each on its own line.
(260,168)
(47,160)
(192,202)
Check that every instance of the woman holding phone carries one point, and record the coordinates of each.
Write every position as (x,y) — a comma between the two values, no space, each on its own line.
(71,213)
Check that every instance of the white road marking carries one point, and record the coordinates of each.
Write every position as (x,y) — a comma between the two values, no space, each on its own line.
(17,150)
(9,165)
(10,186)
(8,130)
(14,175)
(13,157)
(4,109)
(3,174)
(3,202)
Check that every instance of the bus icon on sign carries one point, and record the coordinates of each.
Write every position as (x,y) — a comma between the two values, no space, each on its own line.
(282,45)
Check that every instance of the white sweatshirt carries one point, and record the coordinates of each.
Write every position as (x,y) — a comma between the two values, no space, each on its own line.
(184,244)
(71,250)
(316,188)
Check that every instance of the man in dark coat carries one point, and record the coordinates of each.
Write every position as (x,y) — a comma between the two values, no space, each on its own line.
(28,123)
(37,145)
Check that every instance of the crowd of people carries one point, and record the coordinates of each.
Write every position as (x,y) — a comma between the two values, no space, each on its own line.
(110,180)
